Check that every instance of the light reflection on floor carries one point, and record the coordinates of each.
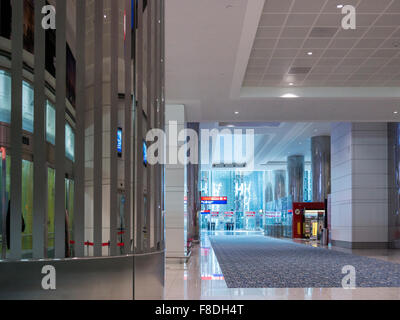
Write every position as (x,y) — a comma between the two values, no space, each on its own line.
(201,278)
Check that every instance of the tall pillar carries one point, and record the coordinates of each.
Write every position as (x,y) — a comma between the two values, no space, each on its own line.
(280,184)
(193,199)
(394,184)
(359,198)
(295,169)
(175,233)
(321,167)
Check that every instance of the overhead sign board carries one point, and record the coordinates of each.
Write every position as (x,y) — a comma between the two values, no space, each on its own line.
(214,200)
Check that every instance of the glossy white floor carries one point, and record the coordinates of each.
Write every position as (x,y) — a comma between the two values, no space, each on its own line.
(201,278)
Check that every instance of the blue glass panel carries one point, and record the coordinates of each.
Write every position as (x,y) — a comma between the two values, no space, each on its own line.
(50,123)
(69,142)
(27,107)
(5,97)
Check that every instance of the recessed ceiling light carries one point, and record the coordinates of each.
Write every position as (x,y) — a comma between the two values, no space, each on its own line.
(340,6)
(236,112)
(310,53)
(395,112)
(291,84)
(289,95)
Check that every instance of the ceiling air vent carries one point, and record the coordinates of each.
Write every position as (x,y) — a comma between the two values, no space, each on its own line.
(323,32)
(299,70)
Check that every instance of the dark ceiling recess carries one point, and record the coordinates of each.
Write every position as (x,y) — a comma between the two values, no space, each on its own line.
(299,70)
(323,32)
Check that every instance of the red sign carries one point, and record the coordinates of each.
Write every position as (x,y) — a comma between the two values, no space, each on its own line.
(214,200)
(250,213)
(215,213)
(229,213)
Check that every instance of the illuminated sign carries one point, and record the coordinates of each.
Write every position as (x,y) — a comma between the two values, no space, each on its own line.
(250,214)
(119,141)
(144,153)
(215,213)
(229,213)
(214,200)
(205,212)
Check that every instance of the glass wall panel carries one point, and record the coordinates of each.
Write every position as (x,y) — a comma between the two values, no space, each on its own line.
(69,216)
(27,107)
(27,102)
(307,186)
(27,207)
(5,97)
(244,192)
(51,179)
(69,142)
(50,123)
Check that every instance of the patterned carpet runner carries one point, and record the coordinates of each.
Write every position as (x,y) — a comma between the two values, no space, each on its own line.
(262,262)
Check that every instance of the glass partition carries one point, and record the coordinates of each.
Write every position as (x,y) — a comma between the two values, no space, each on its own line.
(69,142)
(27,107)
(5,97)
(244,199)
(50,123)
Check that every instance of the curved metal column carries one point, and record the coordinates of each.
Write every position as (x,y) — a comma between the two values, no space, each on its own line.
(321,167)
(295,169)
(280,184)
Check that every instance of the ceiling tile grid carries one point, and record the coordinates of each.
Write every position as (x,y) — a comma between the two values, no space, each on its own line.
(302,43)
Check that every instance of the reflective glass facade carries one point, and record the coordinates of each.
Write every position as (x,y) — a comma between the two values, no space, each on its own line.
(28,113)
(250,205)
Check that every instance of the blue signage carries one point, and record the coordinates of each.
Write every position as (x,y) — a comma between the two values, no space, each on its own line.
(119,140)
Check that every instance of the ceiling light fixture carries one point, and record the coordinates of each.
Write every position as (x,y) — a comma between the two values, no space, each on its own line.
(310,53)
(291,84)
(395,112)
(289,95)
(340,6)
(236,112)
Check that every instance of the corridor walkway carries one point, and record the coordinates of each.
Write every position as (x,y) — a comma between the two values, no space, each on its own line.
(264,262)
(202,278)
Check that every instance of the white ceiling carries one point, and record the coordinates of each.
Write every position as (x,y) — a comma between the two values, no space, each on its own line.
(288,30)
(209,45)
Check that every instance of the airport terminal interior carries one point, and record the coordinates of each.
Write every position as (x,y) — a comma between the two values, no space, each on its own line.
(188,150)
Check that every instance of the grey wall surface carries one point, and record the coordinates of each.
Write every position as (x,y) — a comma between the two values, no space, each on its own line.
(108,278)
(359,185)
(149,276)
